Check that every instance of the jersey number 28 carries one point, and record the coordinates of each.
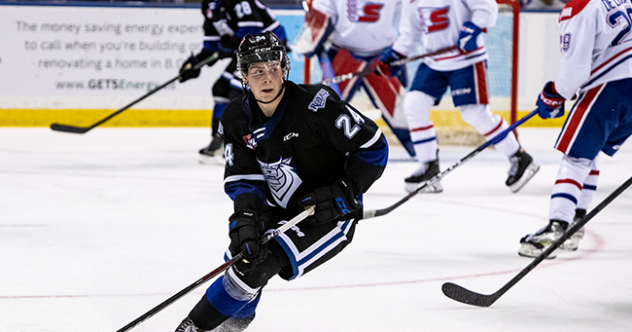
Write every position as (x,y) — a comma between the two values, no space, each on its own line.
(242,9)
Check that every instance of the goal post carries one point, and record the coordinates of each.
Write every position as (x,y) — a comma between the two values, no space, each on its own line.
(512,9)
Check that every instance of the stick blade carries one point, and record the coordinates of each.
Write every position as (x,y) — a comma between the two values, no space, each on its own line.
(466,296)
(68,129)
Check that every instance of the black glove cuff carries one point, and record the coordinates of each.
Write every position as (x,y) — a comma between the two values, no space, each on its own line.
(230,41)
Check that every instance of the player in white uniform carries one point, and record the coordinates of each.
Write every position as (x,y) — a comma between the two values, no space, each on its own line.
(359,31)
(596,68)
(440,24)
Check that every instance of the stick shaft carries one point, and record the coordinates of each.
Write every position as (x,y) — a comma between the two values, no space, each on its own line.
(349,76)
(267,238)
(81,130)
(573,228)
(376,213)
(467,296)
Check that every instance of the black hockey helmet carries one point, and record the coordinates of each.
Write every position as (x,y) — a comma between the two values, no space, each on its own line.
(261,47)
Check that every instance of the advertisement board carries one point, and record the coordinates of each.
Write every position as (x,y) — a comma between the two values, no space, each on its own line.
(99,58)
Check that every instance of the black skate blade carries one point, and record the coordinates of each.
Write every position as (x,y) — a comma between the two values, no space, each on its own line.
(531,170)
(430,188)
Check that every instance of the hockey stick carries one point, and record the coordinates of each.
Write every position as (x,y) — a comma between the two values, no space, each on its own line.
(466,296)
(83,130)
(380,212)
(349,76)
(328,71)
(265,239)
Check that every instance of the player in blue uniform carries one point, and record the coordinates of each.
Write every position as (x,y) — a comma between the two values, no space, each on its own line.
(226,22)
(287,147)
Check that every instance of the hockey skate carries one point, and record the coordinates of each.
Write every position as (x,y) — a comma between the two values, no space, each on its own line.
(423,174)
(533,245)
(229,325)
(187,325)
(234,324)
(209,154)
(579,215)
(521,171)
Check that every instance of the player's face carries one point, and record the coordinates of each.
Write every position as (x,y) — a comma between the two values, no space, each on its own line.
(265,79)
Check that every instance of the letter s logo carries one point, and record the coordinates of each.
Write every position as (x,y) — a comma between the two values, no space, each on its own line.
(371,13)
(435,19)
(363,11)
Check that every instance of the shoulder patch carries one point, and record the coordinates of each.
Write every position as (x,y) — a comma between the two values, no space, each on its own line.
(319,100)
(572,8)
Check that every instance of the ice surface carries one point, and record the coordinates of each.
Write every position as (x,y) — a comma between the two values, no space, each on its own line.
(97,229)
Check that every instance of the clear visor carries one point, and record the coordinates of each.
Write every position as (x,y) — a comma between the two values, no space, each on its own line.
(261,56)
(259,70)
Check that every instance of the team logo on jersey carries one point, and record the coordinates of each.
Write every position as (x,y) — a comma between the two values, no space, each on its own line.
(319,100)
(434,19)
(250,141)
(282,179)
(211,7)
(363,11)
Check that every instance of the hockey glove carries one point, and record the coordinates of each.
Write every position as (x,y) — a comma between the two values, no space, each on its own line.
(550,103)
(245,231)
(333,203)
(187,71)
(228,45)
(390,55)
(467,37)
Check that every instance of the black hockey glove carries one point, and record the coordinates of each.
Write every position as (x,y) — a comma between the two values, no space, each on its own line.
(228,45)
(333,203)
(187,71)
(245,231)
(230,42)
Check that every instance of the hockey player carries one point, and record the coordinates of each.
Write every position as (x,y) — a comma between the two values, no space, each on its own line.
(350,36)
(287,147)
(596,68)
(440,24)
(226,22)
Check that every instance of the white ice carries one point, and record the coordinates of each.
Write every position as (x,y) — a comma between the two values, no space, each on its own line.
(97,229)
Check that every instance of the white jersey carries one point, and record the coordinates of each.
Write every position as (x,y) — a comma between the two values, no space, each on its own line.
(437,23)
(595,42)
(364,27)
